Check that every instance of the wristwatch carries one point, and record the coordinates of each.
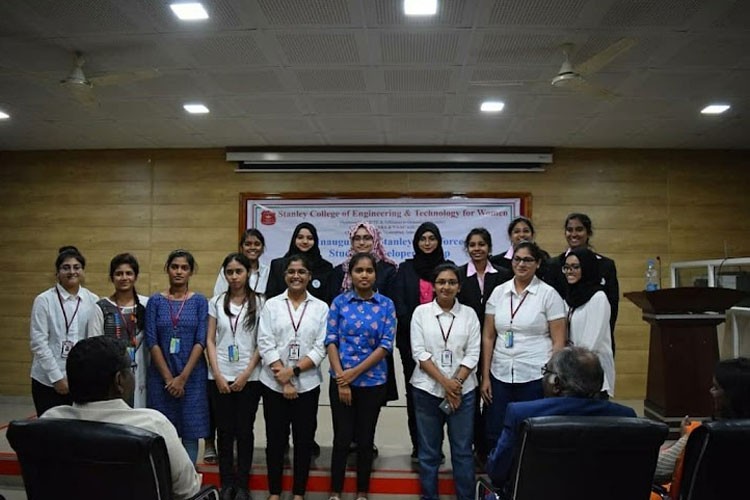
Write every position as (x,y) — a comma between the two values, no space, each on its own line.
(296,370)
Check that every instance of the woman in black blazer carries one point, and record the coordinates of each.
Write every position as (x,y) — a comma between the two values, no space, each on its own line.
(578,233)
(305,242)
(519,229)
(412,287)
(478,278)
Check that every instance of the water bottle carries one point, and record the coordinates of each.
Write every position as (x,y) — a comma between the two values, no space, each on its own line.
(652,278)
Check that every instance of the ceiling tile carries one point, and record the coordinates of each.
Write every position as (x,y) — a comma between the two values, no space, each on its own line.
(423,80)
(310,48)
(330,80)
(306,12)
(391,13)
(667,13)
(422,47)
(535,12)
(340,104)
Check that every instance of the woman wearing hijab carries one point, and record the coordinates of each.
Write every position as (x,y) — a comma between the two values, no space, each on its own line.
(413,287)
(366,238)
(578,233)
(304,241)
(588,311)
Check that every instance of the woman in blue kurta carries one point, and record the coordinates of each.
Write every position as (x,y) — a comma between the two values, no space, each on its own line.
(361,326)
(176,322)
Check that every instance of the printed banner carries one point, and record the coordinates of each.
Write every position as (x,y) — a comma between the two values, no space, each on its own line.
(397,219)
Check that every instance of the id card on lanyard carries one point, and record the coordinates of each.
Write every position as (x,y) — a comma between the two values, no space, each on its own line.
(174,342)
(446,357)
(294,344)
(233,352)
(67,344)
(508,337)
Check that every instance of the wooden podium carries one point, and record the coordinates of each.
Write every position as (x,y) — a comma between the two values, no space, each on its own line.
(683,349)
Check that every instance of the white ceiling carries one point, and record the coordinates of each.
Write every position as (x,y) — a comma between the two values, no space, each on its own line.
(357,72)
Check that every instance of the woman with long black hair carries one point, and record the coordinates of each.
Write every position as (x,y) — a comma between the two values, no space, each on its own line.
(122,315)
(234,389)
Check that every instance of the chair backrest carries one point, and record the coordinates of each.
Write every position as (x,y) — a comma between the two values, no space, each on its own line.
(64,458)
(714,466)
(566,457)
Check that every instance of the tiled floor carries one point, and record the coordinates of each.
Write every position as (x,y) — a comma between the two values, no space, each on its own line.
(392,438)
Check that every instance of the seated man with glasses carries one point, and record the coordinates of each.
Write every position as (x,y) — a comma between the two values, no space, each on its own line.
(572,381)
(100,378)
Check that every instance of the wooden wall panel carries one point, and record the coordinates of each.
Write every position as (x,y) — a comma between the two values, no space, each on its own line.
(680,205)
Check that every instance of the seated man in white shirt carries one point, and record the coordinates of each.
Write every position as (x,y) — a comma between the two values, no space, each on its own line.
(100,379)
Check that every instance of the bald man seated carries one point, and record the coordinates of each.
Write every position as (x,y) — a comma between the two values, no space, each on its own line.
(100,379)
(572,381)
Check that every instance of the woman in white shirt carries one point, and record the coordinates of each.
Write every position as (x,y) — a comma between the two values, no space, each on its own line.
(122,315)
(588,311)
(252,246)
(291,334)
(235,368)
(524,323)
(445,343)
(58,320)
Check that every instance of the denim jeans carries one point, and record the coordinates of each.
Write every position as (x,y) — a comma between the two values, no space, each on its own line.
(430,423)
(502,394)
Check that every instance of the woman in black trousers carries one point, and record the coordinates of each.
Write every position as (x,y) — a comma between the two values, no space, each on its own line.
(478,278)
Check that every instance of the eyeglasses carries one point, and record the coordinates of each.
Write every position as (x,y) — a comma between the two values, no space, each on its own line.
(569,268)
(365,237)
(446,282)
(525,260)
(298,272)
(546,371)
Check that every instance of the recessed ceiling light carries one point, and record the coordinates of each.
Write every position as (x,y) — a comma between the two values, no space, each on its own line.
(196,109)
(192,11)
(420,7)
(4,115)
(715,109)
(492,106)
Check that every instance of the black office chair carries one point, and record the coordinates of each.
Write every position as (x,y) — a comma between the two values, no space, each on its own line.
(714,466)
(579,458)
(80,459)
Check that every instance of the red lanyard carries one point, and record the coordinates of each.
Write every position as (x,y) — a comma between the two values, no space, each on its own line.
(512,311)
(442,332)
(65,316)
(291,318)
(233,326)
(176,319)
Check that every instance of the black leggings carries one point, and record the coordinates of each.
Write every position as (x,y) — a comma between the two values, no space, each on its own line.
(302,415)
(360,420)
(234,414)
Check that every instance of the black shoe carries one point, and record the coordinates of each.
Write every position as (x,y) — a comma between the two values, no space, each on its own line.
(315,449)
(414,456)
(242,494)
(227,493)
(374,451)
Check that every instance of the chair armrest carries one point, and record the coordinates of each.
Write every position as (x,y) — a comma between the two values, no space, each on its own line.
(484,489)
(661,491)
(209,492)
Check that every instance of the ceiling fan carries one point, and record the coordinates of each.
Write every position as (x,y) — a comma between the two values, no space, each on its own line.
(574,77)
(82,86)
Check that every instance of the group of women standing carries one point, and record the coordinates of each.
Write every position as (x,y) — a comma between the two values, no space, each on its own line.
(481,332)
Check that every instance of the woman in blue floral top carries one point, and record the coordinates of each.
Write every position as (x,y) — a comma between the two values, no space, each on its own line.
(361,327)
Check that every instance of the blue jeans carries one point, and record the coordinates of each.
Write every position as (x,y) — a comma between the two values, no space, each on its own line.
(430,423)
(502,394)
(191,446)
